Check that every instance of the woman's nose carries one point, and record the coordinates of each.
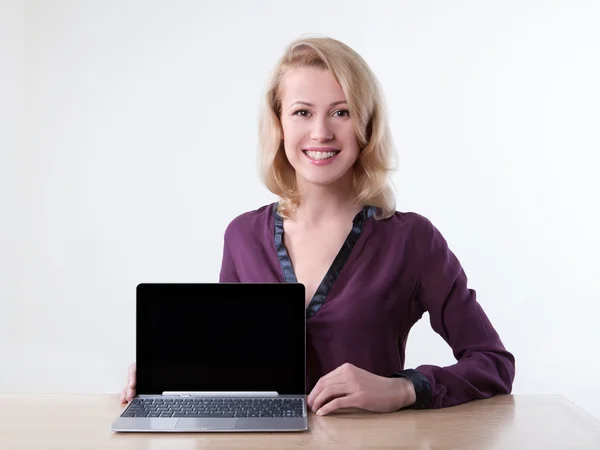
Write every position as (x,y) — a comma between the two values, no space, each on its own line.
(321,131)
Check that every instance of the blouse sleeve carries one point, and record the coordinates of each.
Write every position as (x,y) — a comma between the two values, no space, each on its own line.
(228,272)
(484,367)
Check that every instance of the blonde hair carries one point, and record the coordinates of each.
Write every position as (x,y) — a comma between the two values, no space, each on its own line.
(371,181)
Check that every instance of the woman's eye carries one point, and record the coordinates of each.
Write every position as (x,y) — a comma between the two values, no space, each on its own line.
(301,113)
(342,113)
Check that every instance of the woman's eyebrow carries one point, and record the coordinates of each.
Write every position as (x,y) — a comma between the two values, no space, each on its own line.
(299,102)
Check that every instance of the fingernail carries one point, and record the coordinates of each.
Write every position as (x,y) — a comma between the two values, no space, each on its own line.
(319,413)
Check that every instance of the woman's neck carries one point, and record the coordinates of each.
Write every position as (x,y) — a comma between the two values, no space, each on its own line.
(321,204)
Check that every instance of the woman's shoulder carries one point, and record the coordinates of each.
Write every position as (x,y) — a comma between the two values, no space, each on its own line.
(413,228)
(410,229)
(411,221)
(249,221)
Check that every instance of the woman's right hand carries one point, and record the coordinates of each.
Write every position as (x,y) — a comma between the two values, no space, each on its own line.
(128,391)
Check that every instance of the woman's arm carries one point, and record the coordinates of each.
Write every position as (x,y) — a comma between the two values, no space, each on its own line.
(484,367)
(228,273)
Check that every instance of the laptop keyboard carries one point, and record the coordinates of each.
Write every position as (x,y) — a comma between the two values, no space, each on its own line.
(213,407)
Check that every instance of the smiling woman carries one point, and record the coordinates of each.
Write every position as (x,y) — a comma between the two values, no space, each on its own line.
(370,272)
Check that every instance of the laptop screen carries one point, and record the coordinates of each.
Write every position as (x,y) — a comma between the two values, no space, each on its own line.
(220,337)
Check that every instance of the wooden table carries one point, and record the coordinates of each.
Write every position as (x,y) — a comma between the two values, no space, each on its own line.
(53,422)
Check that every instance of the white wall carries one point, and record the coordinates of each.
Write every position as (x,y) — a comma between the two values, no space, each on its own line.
(140,142)
(12,145)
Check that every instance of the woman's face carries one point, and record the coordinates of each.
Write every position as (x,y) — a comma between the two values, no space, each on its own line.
(318,134)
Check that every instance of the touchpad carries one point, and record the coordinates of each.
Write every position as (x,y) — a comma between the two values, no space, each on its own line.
(205,424)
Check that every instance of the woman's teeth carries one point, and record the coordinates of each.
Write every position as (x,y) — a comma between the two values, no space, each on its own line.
(321,155)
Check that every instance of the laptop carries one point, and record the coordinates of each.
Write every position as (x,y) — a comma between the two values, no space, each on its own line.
(218,357)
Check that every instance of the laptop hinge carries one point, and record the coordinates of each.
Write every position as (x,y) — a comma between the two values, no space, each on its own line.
(220,394)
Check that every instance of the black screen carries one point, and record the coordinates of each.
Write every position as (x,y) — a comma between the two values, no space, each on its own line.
(220,337)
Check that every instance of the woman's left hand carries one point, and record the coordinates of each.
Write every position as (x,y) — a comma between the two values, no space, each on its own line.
(351,387)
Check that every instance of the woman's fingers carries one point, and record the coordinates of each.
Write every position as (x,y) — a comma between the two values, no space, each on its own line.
(132,373)
(130,394)
(128,391)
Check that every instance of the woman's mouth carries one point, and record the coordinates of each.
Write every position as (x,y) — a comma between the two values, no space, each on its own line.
(321,156)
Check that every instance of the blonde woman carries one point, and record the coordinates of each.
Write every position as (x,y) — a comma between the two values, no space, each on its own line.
(370,271)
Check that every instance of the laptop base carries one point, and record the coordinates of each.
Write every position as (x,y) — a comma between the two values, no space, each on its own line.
(192,425)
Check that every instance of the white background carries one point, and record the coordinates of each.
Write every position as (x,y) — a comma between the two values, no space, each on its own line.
(128,137)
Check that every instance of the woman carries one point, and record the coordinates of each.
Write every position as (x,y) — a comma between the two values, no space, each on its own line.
(370,271)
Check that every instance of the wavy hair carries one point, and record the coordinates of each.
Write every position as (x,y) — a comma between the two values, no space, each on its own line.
(371,182)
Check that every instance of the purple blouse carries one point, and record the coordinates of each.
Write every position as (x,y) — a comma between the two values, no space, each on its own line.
(385,276)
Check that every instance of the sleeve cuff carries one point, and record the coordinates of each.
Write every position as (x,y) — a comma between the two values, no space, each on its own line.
(422,388)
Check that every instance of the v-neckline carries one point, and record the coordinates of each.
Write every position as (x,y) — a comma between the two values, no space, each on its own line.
(338,263)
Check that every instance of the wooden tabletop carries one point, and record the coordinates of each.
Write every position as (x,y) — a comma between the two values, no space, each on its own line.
(64,421)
